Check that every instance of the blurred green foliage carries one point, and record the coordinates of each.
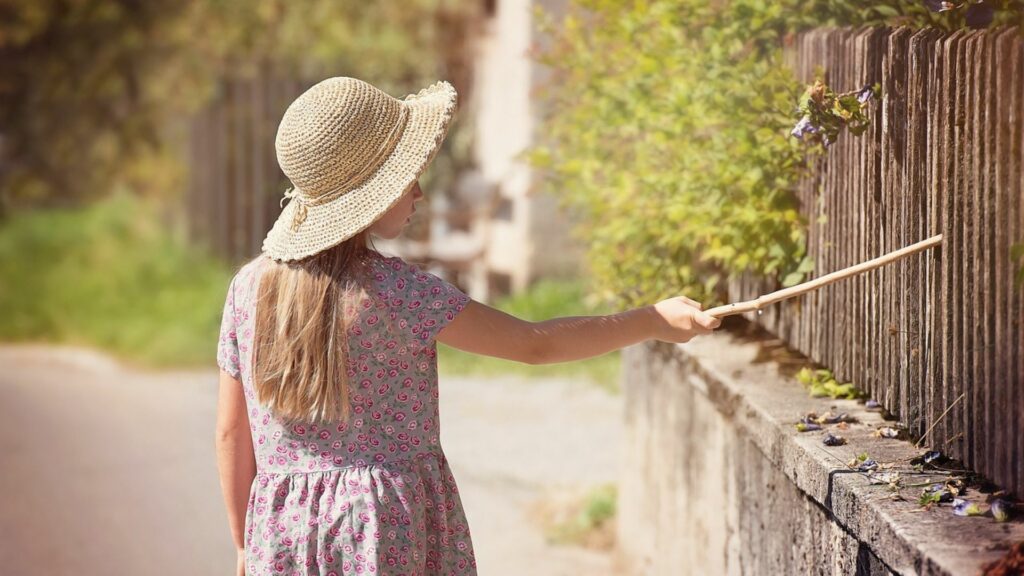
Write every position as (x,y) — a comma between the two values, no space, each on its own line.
(668,132)
(594,514)
(89,89)
(544,300)
(112,277)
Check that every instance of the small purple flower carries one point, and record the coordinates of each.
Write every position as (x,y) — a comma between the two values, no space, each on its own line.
(1001,509)
(803,127)
(865,94)
(872,405)
(831,439)
(868,465)
(963,507)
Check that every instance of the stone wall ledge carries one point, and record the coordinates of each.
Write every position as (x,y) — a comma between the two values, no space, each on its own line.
(749,380)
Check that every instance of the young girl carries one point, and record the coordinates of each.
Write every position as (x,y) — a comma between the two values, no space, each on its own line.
(327,427)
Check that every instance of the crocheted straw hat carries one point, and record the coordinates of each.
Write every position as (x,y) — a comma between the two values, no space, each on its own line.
(351,151)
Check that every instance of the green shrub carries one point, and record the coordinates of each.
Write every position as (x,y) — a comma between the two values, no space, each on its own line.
(668,131)
(111,276)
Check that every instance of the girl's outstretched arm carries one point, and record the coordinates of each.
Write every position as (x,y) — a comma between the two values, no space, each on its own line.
(236,460)
(484,330)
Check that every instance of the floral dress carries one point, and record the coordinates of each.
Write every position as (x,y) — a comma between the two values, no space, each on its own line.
(374,494)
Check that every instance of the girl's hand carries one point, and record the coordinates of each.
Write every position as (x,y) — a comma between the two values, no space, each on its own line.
(679,319)
(240,569)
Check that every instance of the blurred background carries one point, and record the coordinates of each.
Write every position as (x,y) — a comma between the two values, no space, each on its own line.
(606,154)
(137,173)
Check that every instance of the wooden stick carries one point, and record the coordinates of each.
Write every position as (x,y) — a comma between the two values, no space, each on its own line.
(786,293)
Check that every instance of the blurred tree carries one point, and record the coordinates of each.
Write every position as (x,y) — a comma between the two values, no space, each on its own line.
(87,86)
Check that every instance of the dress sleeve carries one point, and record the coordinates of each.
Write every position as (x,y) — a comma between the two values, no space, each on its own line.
(429,303)
(227,346)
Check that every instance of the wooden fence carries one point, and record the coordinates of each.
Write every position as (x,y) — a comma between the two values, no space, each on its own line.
(235,185)
(945,153)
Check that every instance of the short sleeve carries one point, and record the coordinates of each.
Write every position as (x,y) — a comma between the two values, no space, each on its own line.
(427,303)
(227,346)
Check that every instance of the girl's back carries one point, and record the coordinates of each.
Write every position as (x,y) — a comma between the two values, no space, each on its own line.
(377,487)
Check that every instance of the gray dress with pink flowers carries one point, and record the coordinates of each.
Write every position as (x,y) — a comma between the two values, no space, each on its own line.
(374,494)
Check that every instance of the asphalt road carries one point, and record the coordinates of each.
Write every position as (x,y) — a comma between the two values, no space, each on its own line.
(107,470)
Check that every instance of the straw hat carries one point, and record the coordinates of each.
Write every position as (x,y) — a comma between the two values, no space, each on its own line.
(351,151)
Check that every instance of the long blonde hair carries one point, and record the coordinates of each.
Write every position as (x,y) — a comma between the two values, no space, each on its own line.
(300,345)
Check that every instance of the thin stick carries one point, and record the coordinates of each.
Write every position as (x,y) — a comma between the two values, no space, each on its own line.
(786,293)
(941,416)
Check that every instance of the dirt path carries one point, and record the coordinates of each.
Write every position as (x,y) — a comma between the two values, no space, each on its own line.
(108,470)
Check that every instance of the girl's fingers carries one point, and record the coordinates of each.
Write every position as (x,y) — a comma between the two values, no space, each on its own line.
(693,303)
(707,321)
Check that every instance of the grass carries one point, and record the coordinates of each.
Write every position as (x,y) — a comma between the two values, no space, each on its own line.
(110,276)
(546,299)
(586,520)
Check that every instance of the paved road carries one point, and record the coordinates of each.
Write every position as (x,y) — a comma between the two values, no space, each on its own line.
(109,470)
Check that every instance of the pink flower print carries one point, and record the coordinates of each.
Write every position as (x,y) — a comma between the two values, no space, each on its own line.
(262,439)
(324,434)
(357,423)
(383,388)
(376,415)
(366,344)
(414,305)
(402,437)
(336,444)
(403,447)
(379,458)
(416,406)
(399,416)
(372,319)
(299,429)
(389,429)
(358,409)
(402,396)
(412,425)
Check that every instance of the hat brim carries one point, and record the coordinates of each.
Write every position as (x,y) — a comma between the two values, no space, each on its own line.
(327,225)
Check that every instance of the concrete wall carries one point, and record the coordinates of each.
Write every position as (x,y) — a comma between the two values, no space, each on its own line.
(717,481)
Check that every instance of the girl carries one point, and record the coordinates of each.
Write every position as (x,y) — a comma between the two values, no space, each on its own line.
(327,427)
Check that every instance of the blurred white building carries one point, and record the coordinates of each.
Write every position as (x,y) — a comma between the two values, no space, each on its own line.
(519,231)
(498,232)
